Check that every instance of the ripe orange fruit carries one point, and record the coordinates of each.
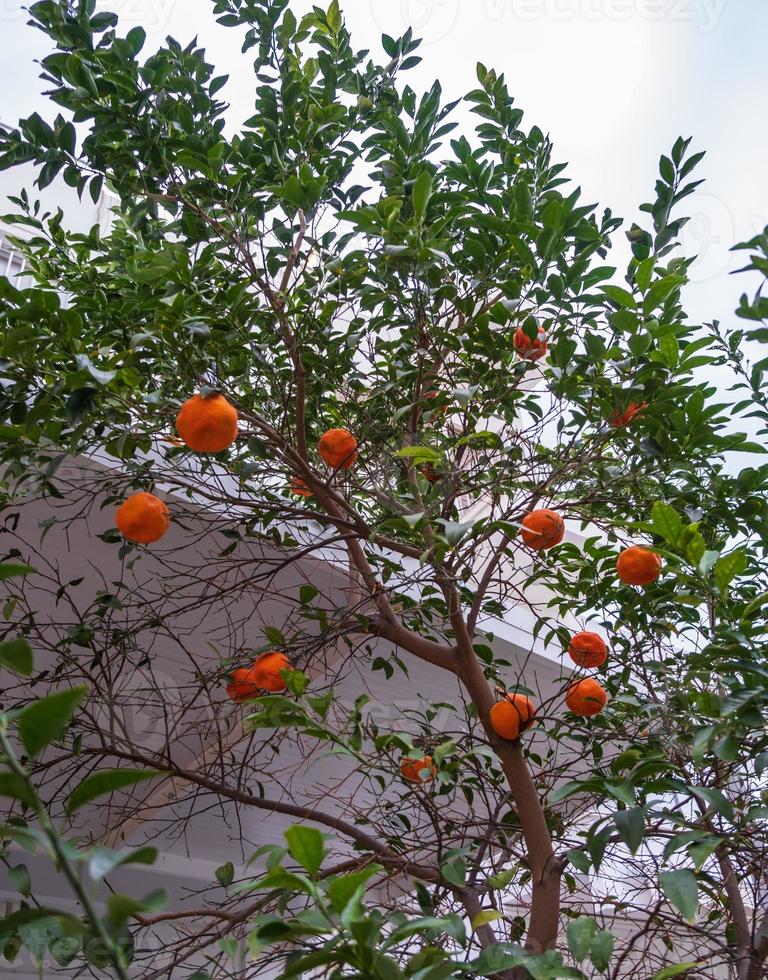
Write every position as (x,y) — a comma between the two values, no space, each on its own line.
(338,448)
(441,409)
(531,350)
(638,566)
(620,419)
(586,698)
(588,650)
(242,685)
(299,487)
(413,770)
(513,714)
(142,517)
(207,424)
(266,671)
(543,529)
(262,675)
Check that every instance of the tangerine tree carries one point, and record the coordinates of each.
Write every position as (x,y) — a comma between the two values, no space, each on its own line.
(354,390)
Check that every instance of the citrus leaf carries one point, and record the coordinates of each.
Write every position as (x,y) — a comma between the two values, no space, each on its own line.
(682,890)
(306,846)
(16,655)
(108,781)
(46,720)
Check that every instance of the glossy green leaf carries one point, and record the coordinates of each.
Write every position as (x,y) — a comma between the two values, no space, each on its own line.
(46,720)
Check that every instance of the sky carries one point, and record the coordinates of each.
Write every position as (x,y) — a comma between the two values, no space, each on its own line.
(613,82)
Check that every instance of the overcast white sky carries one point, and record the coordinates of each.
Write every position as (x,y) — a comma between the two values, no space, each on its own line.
(613,81)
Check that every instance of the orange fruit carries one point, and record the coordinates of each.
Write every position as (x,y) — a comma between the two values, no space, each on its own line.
(242,685)
(620,419)
(142,517)
(338,448)
(638,566)
(207,424)
(586,698)
(588,650)
(531,350)
(543,529)
(299,487)
(262,675)
(513,714)
(440,409)
(413,770)
(266,671)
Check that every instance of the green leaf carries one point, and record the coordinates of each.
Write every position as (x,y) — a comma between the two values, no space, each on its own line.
(103,861)
(419,454)
(602,950)
(24,917)
(108,781)
(454,871)
(334,16)
(421,194)
(16,655)
(64,949)
(296,680)
(581,933)
(484,917)
(503,878)
(631,826)
(695,546)
(14,569)
(675,971)
(136,38)
(682,890)
(121,908)
(701,852)
(84,363)
(669,350)
(225,875)
(342,889)
(716,800)
(666,522)
(19,876)
(580,861)
(306,846)
(728,567)
(659,292)
(727,748)
(751,608)
(273,635)
(620,297)
(46,720)
(708,561)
